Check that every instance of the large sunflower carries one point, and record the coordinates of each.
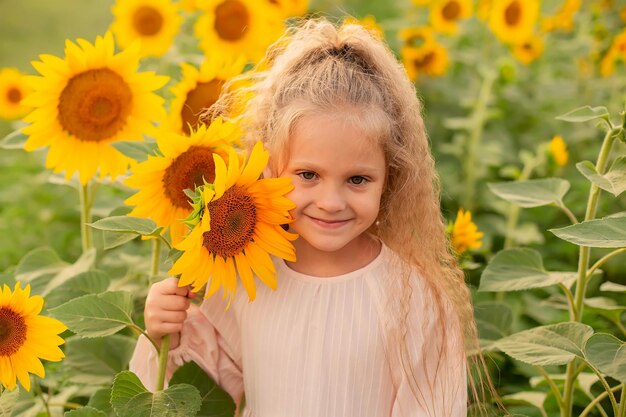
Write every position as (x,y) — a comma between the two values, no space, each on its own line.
(13,88)
(445,14)
(186,163)
(199,89)
(26,337)
(237,27)
(88,100)
(239,229)
(155,22)
(513,21)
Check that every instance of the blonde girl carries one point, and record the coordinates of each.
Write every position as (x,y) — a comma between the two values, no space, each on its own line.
(374,317)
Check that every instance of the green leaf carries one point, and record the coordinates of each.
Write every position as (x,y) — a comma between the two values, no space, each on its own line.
(97,361)
(101,400)
(139,151)
(215,401)
(84,263)
(608,354)
(89,282)
(614,181)
(554,344)
(38,262)
(96,315)
(14,140)
(613,287)
(8,399)
(608,232)
(519,269)
(105,240)
(584,114)
(131,399)
(85,412)
(493,320)
(533,398)
(128,224)
(531,193)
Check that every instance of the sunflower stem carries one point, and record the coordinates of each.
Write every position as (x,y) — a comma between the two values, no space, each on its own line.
(40,392)
(583,265)
(86,201)
(479,118)
(156,257)
(163,353)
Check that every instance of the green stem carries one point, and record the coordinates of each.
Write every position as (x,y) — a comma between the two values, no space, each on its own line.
(40,392)
(163,352)
(570,301)
(513,214)
(138,330)
(86,201)
(73,406)
(567,211)
(622,402)
(156,257)
(602,260)
(478,122)
(583,263)
(596,402)
(607,389)
(553,387)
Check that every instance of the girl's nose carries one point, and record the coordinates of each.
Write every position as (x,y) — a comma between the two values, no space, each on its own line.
(330,198)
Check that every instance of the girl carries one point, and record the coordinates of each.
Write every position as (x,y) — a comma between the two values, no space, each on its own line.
(373,317)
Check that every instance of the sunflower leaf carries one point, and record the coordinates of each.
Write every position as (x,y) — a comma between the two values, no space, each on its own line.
(531,193)
(96,315)
(96,361)
(519,269)
(608,354)
(614,181)
(85,412)
(608,232)
(584,114)
(14,140)
(215,401)
(139,151)
(130,398)
(554,344)
(128,224)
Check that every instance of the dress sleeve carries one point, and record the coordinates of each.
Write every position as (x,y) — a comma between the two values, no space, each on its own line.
(202,342)
(435,359)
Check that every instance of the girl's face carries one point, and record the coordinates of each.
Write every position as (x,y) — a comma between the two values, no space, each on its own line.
(338,176)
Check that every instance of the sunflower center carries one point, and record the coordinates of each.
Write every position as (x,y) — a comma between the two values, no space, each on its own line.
(512,14)
(187,172)
(198,99)
(14,95)
(233,219)
(147,21)
(451,11)
(231,20)
(94,105)
(12,331)
(424,61)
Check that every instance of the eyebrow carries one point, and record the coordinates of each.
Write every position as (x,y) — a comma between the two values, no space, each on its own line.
(357,169)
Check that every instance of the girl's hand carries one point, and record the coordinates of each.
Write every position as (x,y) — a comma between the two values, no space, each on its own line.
(166,310)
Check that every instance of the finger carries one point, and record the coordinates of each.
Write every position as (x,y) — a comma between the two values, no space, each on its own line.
(175,303)
(171,316)
(165,329)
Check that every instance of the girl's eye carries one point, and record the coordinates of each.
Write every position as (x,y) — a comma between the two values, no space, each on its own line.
(307,175)
(358,180)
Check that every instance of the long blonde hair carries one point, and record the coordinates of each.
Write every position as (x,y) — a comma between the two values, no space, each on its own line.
(318,67)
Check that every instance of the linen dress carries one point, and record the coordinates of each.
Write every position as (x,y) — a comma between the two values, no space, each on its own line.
(315,348)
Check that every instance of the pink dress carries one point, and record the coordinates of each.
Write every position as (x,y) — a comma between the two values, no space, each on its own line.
(314,348)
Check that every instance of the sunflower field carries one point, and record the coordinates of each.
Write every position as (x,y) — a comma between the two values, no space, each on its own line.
(102,146)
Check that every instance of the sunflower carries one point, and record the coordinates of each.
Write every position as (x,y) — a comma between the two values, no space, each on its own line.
(289,8)
(445,14)
(416,36)
(155,22)
(529,50)
(513,21)
(563,19)
(186,163)
(199,89)
(13,88)
(558,150)
(240,227)
(26,337)
(430,59)
(465,234)
(237,27)
(87,101)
